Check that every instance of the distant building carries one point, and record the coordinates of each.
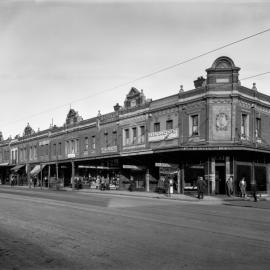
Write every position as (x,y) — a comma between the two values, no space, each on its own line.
(216,130)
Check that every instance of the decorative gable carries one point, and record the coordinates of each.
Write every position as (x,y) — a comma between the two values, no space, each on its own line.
(73,117)
(134,98)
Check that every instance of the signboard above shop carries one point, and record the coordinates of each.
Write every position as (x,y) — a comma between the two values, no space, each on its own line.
(163,135)
(166,165)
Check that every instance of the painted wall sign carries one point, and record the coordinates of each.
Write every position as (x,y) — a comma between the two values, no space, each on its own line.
(133,147)
(108,149)
(163,135)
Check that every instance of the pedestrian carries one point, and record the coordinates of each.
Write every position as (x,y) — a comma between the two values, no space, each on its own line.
(229,186)
(167,186)
(243,185)
(201,185)
(254,191)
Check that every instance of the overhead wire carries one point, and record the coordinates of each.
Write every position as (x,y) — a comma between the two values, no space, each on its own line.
(146,76)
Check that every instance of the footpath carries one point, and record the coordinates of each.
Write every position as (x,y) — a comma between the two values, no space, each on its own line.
(182,197)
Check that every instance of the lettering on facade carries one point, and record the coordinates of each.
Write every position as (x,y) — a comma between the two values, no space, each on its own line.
(108,149)
(133,147)
(222,122)
(166,165)
(163,135)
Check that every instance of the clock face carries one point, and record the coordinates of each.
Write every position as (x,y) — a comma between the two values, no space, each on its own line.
(222,120)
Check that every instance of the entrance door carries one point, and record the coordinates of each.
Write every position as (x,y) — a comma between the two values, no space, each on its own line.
(220,179)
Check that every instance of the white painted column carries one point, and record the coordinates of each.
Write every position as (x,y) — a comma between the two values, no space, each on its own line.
(213,175)
(227,167)
(147,180)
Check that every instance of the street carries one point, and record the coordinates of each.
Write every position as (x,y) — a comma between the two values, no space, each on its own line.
(68,230)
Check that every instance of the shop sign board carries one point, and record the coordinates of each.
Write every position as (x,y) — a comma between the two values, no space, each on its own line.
(166,165)
(109,149)
(163,135)
(72,155)
(133,147)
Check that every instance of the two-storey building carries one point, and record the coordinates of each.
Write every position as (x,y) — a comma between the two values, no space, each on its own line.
(216,130)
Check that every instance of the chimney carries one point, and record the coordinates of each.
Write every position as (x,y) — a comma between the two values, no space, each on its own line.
(199,82)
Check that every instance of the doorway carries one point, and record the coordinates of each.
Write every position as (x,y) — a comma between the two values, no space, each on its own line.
(220,179)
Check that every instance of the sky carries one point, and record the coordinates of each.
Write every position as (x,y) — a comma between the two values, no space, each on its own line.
(57,54)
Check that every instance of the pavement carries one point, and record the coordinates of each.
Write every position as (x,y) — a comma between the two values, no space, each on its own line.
(182,197)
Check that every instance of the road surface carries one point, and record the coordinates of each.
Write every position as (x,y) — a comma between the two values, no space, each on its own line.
(68,230)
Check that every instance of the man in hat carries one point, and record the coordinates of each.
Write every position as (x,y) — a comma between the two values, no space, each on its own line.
(201,184)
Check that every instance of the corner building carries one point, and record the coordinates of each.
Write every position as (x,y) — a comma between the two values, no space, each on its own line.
(216,130)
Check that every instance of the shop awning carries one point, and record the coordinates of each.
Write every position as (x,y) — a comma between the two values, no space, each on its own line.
(16,168)
(134,167)
(3,164)
(36,170)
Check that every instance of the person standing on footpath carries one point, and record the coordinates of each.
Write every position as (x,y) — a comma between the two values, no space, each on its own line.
(243,185)
(254,191)
(201,184)
(229,186)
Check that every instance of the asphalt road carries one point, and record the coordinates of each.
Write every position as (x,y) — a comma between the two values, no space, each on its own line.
(66,230)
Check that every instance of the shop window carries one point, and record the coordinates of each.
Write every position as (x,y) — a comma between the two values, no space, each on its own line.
(244,126)
(156,127)
(258,128)
(194,125)
(134,135)
(169,124)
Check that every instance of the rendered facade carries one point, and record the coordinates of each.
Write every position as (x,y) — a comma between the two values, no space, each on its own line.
(216,130)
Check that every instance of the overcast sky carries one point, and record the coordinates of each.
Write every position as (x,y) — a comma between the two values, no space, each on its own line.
(53,52)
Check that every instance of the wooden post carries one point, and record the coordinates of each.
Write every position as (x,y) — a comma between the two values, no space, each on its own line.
(41,176)
(179,181)
(147,180)
(49,175)
(72,175)
(182,178)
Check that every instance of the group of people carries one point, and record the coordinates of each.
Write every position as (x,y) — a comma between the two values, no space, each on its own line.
(201,186)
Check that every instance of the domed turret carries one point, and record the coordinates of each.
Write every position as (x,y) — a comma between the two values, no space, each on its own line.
(222,72)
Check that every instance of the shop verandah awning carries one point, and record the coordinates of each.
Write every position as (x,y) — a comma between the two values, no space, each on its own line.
(35,170)
(4,164)
(16,168)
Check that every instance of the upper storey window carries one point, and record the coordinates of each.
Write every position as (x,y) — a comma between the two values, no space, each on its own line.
(156,127)
(244,125)
(194,121)
(169,124)
(258,128)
